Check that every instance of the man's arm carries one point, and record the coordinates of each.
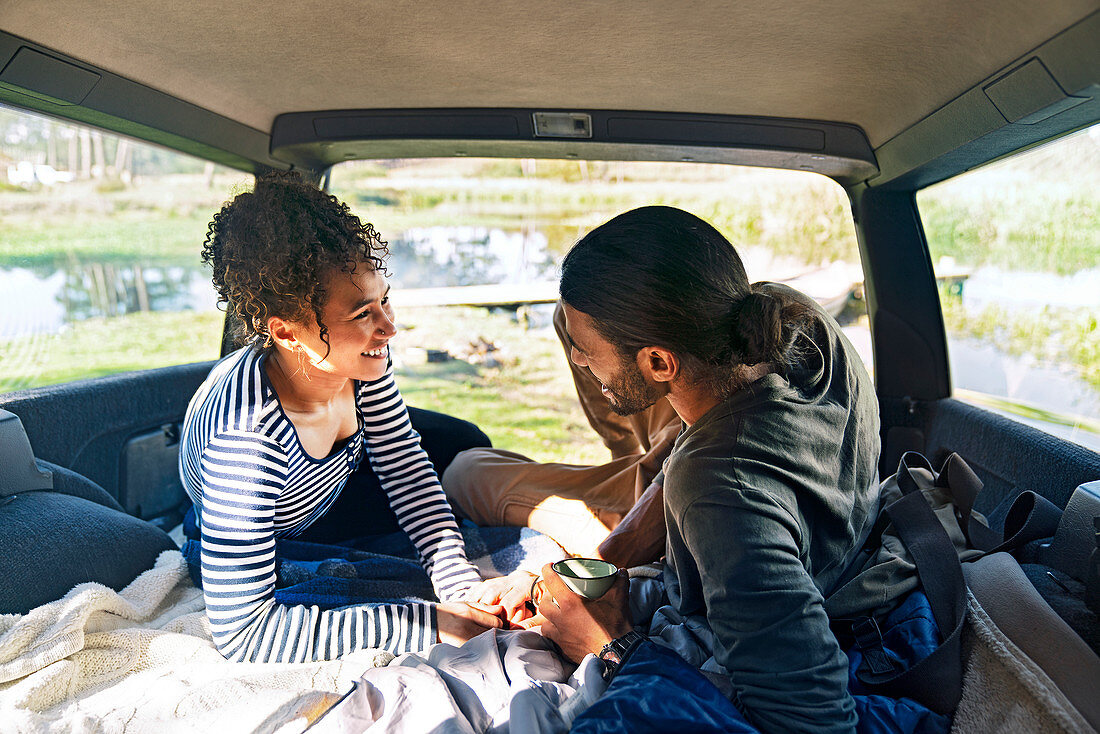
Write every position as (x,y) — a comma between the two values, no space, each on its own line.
(772,632)
(640,537)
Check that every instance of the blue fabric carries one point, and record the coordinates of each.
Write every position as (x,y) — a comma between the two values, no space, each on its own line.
(383,568)
(657,691)
(909,634)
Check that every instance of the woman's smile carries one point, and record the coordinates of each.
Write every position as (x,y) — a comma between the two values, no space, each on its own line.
(379,353)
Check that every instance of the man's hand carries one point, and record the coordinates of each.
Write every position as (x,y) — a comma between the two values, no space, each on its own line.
(458,621)
(511,592)
(578,625)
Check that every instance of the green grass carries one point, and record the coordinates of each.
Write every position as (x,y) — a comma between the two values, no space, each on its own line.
(526,404)
(798,215)
(1055,336)
(1045,216)
(1039,211)
(161,220)
(98,347)
(1043,234)
(44,243)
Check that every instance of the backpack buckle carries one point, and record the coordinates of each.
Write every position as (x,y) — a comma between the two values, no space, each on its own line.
(869,640)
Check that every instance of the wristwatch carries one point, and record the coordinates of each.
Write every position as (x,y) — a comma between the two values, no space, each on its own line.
(615,653)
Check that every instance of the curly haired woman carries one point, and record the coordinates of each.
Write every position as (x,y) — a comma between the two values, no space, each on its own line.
(273,440)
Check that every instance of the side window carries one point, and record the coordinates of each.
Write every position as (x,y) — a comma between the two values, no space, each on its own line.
(99,253)
(502,226)
(1016,247)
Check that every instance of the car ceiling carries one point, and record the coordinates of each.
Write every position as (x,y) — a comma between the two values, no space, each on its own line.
(882,66)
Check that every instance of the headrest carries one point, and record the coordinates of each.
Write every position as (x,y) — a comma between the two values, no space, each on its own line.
(18,472)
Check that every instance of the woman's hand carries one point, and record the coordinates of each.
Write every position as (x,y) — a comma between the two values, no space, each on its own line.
(458,621)
(511,592)
(578,625)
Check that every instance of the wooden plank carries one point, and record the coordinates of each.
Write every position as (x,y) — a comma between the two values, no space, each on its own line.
(830,286)
(508,295)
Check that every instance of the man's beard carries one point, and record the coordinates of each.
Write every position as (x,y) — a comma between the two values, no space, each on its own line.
(630,394)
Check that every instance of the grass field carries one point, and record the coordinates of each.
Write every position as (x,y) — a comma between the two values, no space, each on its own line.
(1046,217)
(526,404)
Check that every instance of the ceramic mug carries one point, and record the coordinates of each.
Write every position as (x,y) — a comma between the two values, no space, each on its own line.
(587,577)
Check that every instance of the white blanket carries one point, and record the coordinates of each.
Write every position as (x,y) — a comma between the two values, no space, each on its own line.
(142,660)
(496,683)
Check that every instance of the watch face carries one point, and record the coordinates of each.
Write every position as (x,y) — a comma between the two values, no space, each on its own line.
(614,651)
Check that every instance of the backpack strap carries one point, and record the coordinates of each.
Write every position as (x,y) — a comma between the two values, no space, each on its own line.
(1030,517)
(935,681)
(963,485)
(911,460)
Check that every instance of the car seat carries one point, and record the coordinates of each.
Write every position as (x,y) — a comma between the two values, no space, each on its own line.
(59,529)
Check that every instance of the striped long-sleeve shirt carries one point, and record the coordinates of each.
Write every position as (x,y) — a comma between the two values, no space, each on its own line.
(244,468)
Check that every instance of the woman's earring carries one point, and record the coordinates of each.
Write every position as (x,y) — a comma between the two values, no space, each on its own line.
(300,353)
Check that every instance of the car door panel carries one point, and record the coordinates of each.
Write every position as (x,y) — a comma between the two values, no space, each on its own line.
(108,429)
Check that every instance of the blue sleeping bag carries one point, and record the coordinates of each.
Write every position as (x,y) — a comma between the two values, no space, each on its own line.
(657,691)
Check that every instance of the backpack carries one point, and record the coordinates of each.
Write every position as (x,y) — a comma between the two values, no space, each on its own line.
(926,528)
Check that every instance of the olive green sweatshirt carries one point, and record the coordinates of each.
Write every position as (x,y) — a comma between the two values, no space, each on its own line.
(767,497)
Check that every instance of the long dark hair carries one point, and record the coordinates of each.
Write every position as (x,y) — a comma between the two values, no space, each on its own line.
(659,276)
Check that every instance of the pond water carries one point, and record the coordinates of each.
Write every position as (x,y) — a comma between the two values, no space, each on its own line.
(1014,290)
(45,298)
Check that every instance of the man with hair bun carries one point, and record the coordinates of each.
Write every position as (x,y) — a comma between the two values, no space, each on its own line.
(770,487)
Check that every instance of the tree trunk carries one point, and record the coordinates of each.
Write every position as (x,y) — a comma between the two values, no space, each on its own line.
(122,160)
(100,166)
(51,147)
(74,155)
(141,290)
(85,153)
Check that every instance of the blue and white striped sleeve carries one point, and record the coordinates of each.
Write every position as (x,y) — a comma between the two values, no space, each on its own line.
(242,476)
(413,488)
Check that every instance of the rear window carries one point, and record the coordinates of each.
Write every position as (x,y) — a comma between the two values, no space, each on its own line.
(507,224)
(1016,247)
(99,253)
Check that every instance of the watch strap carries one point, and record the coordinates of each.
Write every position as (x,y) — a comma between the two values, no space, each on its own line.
(616,652)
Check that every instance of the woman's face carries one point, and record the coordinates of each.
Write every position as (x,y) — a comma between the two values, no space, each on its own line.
(360,325)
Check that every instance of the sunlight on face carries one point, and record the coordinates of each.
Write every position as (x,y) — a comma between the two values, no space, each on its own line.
(360,322)
(621,382)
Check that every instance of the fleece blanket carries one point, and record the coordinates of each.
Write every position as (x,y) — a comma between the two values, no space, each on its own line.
(142,660)
(383,568)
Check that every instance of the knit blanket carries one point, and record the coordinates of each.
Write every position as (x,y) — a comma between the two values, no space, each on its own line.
(142,659)
(385,569)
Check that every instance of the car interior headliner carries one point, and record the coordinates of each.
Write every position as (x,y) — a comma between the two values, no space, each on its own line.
(882,67)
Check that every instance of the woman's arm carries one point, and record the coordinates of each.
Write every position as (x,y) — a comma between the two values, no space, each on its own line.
(413,488)
(242,476)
